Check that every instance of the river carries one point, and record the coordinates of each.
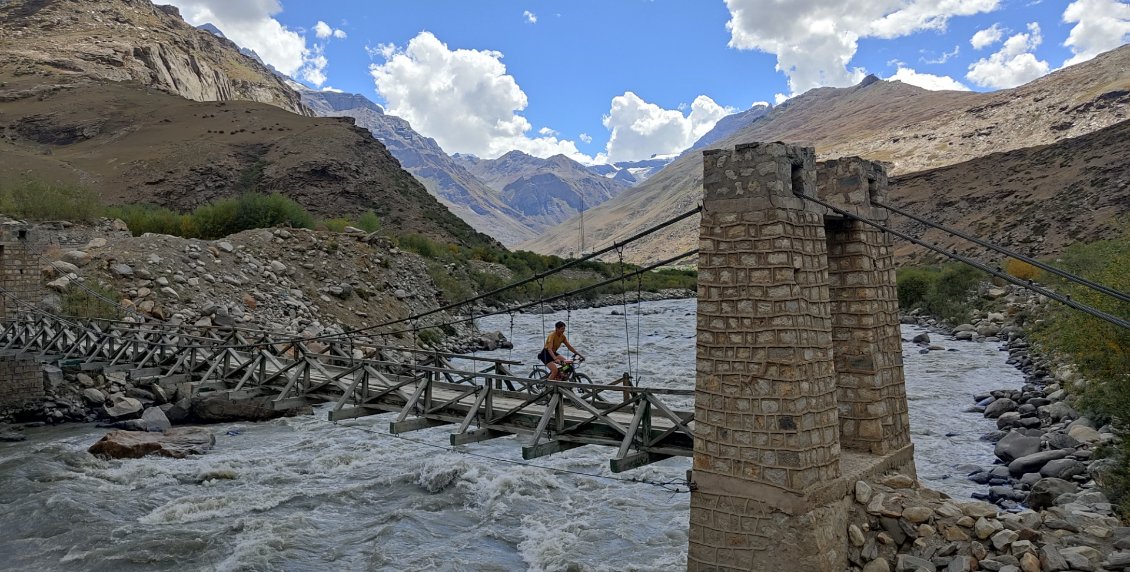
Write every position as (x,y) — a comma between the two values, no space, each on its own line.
(306,494)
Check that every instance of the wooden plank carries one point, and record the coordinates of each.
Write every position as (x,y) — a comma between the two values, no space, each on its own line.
(477,435)
(635,461)
(397,427)
(548,448)
(354,412)
(281,404)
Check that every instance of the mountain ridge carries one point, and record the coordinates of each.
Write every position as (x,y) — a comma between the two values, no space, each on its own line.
(905,127)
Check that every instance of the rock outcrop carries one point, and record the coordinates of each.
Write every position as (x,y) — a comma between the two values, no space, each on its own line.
(134,40)
(177,443)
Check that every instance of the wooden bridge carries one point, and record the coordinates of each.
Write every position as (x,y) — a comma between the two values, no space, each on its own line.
(480,401)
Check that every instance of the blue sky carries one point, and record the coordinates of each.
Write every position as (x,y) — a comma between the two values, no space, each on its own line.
(620,80)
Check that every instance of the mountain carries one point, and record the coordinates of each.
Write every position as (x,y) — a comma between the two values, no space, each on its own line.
(632,172)
(908,128)
(81,105)
(545,191)
(134,40)
(729,125)
(480,206)
(1037,199)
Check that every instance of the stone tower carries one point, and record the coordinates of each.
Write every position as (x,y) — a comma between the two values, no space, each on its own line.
(799,390)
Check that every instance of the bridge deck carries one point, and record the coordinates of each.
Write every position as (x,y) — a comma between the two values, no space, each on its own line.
(421,387)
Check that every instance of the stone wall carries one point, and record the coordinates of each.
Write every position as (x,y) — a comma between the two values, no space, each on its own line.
(21,380)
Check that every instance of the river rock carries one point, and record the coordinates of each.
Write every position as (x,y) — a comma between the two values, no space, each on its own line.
(1033,463)
(155,420)
(1016,445)
(998,407)
(908,563)
(176,443)
(76,257)
(121,270)
(122,407)
(1046,490)
(1063,469)
(1061,441)
(877,565)
(1083,434)
(94,396)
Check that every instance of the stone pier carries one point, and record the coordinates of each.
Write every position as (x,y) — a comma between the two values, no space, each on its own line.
(800,389)
(21,379)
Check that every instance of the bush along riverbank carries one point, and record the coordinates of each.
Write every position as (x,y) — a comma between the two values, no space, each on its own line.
(1050,453)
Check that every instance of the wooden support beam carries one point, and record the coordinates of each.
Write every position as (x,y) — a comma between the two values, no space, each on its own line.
(281,404)
(354,412)
(635,461)
(397,427)
(477,435)
(548,448)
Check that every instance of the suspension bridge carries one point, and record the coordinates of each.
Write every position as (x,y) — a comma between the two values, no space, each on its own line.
(799,389)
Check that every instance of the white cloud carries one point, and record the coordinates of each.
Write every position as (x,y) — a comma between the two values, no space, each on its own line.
(641,129)
(945,57)
(324,31)
(462,98)
(547,132)
(531,18)
(927,81)
(780,98)
(251,24)
(987,37)
(585,138)
(340,34)
(1013,65)
(759,104)
(815,40)
(1100,25)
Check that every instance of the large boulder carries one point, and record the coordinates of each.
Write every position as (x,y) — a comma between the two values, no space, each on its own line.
(122,407)
(1016,445)
(177,443)
(1000,406)
(1036,461)
(155,420)
(1045,491)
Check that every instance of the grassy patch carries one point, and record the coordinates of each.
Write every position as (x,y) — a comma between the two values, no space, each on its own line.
(37,200)
(91,301)
(947,291)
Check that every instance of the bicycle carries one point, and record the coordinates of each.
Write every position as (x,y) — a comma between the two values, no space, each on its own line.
(565,372)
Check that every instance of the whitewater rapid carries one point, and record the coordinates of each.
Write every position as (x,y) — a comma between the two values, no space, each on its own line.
(306,494)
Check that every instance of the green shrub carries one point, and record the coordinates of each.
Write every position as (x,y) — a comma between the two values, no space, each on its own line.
(945,292)
(147,218)
(1101,350)
(91,301)
(37,200)
(248,211)
(369,222)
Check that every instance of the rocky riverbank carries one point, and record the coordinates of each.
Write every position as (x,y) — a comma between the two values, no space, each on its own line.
(1047,470)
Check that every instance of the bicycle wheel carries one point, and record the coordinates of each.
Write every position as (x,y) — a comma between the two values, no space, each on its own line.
(538,373)
(586,394)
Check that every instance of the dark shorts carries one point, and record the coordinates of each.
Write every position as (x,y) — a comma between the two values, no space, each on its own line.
(545,356)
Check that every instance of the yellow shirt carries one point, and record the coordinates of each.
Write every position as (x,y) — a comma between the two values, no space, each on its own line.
(554,341)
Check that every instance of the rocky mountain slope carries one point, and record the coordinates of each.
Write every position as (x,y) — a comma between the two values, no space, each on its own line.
(908,128)
(480,206)
(1037,199)
(133,40)
(545,191)
(128,132)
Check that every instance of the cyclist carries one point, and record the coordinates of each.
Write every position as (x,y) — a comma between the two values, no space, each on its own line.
(549,355)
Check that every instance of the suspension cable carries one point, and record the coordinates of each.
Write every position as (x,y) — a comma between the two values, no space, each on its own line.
(1062,274)
(1002,275)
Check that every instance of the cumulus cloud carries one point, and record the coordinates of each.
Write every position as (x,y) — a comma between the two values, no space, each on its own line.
(1013,65)
(251,24)
(987,37)
(585,138)
(325,31)
(1100,25)
(462,98)
(640,129)
(927,81)
(531,18)
(815,40)
(547,132)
